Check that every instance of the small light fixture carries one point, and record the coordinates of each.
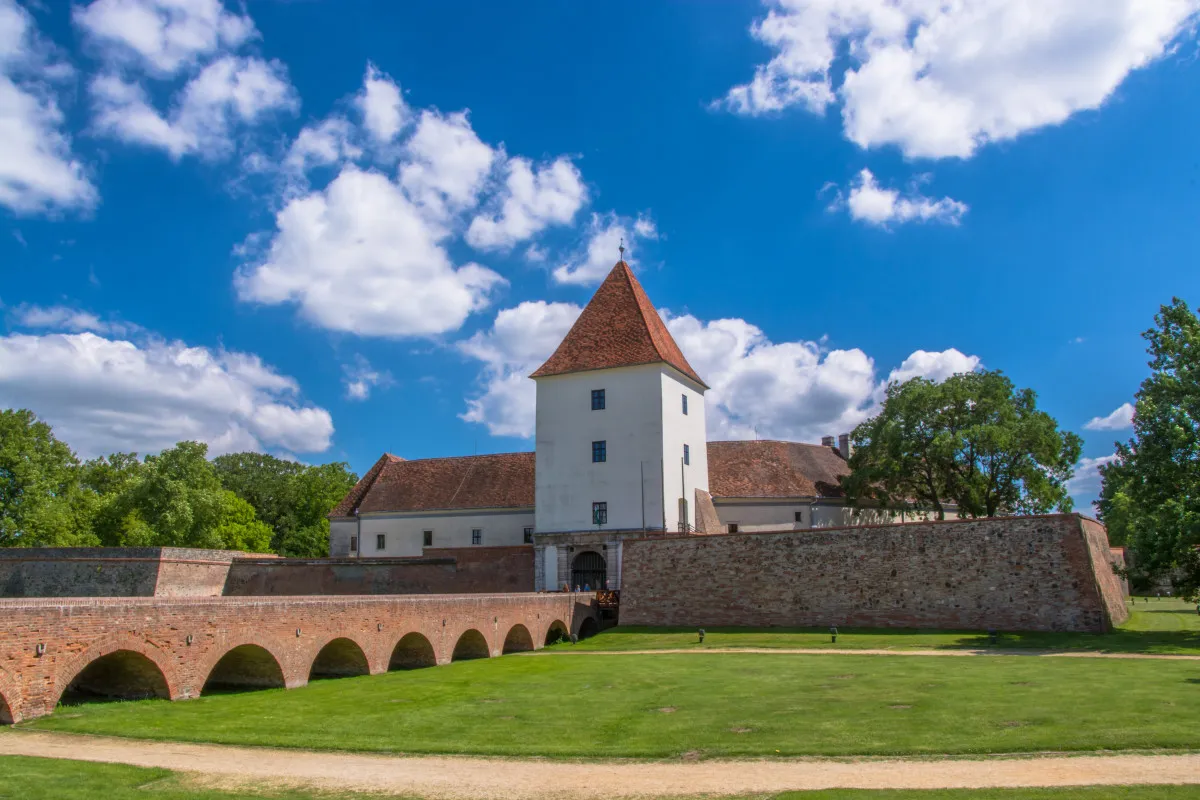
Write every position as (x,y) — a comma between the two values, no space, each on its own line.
(189,640)
(379,626)
(39,649)
(833,633)
(297,633)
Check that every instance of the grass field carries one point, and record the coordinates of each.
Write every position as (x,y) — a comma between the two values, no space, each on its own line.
(50,779)
(1166,626)
(665,705)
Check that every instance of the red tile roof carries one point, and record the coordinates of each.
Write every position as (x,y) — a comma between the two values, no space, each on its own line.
(774,469)
(506,480)
(618,328)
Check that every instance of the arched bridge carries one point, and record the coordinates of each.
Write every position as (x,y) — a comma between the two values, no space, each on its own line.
(178,648)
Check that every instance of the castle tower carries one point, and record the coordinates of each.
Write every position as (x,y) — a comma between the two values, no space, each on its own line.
(621,443)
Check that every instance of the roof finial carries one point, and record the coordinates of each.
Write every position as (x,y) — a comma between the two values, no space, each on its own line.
(622,248)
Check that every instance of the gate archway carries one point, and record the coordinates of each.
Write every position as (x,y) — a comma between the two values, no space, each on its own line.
(589,570)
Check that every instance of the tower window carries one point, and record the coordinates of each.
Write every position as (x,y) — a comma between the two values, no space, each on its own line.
(380,541)
(687,454)
(528,535)
(476,535)
(427,538)
(599,451)
(732,527)
(599,513)
(685,405)
(353,544)
(597,399)
(799,516)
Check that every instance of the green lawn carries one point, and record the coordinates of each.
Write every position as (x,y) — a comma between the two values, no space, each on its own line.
(1155,626)
(668,704)
(50,779)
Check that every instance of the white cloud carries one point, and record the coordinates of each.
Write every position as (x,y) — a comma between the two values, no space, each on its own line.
(382,106)
(103,395)
(532,201)
(331,141)
(1119,420)
(446,164)
(163,36)
(360,378)
(871,203)
(360,256)
(230,91)
(1086,482)
(64,318)
(601,251)
(38,172)
(938,79)
(519,340)
(934,365)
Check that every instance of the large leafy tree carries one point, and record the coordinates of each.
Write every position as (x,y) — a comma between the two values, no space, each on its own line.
(974,441)
(41,501)
(291,498)
(1150,498)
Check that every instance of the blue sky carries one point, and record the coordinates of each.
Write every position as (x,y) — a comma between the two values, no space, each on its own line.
(329,229)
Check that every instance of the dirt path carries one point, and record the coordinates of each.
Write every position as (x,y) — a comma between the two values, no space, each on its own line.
(835,651)
(508,779)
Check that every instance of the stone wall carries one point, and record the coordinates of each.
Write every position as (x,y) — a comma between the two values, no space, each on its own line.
(112,572)
(172,648)
(440,571)
(1047,573)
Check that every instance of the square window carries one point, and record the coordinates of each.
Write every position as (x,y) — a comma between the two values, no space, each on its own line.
(687,454)
(733,527)
(427,537)
(597,399)
(799,516)
(380,541)
(599,513)
(685,404)
(353,544)
(599,452)
(528,536)
(476,535)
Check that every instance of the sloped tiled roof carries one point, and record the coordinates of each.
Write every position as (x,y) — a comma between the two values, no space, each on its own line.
(503,480)
(351,500)
(774,469)
(618,328)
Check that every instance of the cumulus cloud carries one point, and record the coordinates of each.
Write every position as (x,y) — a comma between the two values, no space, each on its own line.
(519,340)
(532,201)
(38,172)
(873,204)
(939,79)
(65,318)
(381,105)
(360,378)
(600,252)
(446,164)
(1119,420)
(106,394)
(786,390)
(360,256)
(330,141)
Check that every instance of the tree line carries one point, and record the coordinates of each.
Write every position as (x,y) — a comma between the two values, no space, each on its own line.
(178,498)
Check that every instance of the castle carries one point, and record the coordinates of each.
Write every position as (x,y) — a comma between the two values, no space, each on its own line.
(621,452)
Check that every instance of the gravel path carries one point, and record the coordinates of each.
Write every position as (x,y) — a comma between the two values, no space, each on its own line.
(440,777)
(835,651)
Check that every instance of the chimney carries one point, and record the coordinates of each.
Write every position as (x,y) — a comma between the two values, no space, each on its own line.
(844,445)
(826,441)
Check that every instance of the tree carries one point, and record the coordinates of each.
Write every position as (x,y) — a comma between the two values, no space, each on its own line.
(291,498)
(1150,496)
(41,501)
(973,440)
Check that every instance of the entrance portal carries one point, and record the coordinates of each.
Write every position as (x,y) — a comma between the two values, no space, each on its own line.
(589,570)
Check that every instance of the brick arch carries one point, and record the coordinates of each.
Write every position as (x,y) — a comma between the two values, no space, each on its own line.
(518,639)
(10,701)
(555,627)
(413,650)
(587,626)
(339,656)
(252,672)
(108,645)
(470,644)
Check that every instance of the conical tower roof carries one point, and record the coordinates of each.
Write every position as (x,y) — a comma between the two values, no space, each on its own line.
(618,328)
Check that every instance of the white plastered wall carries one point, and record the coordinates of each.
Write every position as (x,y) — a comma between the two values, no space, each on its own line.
(404,532)
(682,480)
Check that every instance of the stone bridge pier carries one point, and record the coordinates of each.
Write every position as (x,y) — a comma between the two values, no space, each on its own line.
(132,647)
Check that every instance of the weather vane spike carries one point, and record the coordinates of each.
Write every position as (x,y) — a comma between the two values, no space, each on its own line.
(622,248)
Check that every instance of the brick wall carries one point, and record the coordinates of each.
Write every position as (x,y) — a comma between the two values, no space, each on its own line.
(1015,573)
(112,571)
(171,647)
(440,571)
